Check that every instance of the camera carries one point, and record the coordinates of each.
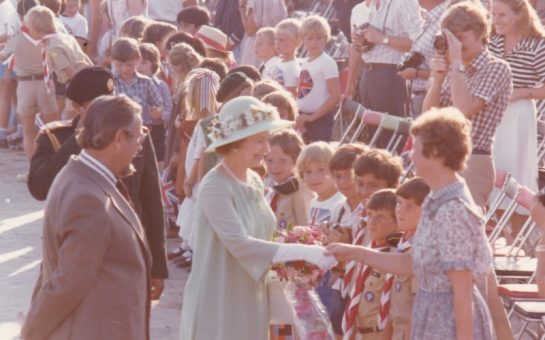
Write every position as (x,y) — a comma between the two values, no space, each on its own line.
(440,43)
(411,60)
(358,30)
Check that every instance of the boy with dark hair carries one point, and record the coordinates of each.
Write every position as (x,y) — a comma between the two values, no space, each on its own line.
(190,19)
(140,88)
(367,310)
(410,196)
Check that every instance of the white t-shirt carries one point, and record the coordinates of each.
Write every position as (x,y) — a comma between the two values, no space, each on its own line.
(165,10)
(312,89)
(196,146)
(360,15)
(321,211)
(269,68)
(286,73)
(6,11)
(350,218)
(77,25)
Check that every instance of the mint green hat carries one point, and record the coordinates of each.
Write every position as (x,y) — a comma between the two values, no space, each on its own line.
(243,117)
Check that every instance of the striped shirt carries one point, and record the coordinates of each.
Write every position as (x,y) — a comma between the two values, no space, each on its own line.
(395,18)
(488,78)
(323,8)
(97,166)
(527,60)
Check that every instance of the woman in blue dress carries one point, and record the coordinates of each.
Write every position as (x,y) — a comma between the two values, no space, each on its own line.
(450,253)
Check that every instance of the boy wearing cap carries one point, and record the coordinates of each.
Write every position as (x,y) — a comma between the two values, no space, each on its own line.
(56,143)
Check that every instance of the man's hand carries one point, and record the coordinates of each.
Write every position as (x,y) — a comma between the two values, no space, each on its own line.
(373,35)
(157,286)
(408,73)
(454,52)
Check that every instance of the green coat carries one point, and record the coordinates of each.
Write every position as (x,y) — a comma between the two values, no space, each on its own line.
(226,296)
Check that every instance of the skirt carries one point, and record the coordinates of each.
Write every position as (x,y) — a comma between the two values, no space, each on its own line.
(515,146)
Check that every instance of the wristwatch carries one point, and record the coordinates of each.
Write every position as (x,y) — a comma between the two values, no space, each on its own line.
(385,40)
(459,67)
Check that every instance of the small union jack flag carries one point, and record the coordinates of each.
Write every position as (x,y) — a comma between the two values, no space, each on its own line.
(168,195)
(305,84)
(319,215)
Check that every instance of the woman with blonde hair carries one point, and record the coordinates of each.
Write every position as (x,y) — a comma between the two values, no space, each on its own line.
(518,38)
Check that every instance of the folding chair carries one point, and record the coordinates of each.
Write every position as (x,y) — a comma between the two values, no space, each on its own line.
(368,118)
(518,268)
(500,183)
(517,292)
(511,190)
(350,108)
(529,312)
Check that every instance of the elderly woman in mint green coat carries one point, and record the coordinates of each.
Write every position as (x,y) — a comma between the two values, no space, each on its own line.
(226,295)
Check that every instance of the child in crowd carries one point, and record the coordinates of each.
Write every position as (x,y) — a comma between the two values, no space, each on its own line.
(215,64)
(289,197)
(234,85)
(286,43)
(35,91)
(410,196)
(345,215)
(105,43)
(149,66)
(200,103)
(183,37)
(313,169)
(134,27)
(374,170)
(284,103)
(191,18)
(140,88)
(157,33)
(264,49)
(264,87)
(75,23)
(318,89)
(365,312)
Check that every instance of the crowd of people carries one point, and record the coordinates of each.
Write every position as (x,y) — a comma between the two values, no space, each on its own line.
(217,123)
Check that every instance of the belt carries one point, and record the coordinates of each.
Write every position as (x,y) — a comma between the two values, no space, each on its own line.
(367,330)
(481,152)
(31,78)
(378,66)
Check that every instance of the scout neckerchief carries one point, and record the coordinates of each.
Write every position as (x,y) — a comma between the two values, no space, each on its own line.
(351,311)
(402,246)
(351,266)
(42,42)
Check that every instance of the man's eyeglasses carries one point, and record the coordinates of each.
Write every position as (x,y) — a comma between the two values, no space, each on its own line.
(140,139)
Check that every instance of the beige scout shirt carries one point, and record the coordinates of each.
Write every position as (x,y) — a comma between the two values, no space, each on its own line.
(293,209)
(370,303)
(28,57)
(64,51)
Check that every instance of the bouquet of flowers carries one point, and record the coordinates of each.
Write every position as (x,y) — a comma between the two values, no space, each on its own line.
(310,317)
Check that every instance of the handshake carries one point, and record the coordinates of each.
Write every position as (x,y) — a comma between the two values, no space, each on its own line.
(302,252)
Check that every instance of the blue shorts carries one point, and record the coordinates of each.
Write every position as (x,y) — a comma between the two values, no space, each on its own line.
(4,69)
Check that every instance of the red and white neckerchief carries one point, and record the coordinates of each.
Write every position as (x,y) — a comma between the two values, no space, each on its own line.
(352,266)
(43,43)
(402,246)
(356,294)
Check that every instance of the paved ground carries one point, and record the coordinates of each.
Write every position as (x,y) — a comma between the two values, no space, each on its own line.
(20,254)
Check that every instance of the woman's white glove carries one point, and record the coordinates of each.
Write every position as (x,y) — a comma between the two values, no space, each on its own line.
(302,252)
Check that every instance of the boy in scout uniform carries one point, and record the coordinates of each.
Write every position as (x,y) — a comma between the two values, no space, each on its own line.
(410,196)
(382,222)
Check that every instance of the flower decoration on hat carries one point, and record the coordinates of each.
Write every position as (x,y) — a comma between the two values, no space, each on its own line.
(255,114)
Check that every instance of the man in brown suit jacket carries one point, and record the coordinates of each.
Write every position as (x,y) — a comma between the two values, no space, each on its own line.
(95,274)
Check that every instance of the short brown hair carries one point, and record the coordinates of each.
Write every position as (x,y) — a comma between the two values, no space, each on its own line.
(215,64)
(106,115)
(125,49)
(54,5)
(384,199)
(264,87)
(415,189)
(184,55)
(150,53)
(289,142)
(380,163)
(157,31)
(346,155)
(134,27)
(467,16)
(42,19)
(445,133)
(283,100)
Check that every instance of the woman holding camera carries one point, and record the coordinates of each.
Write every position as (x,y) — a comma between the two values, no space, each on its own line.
(518,38)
